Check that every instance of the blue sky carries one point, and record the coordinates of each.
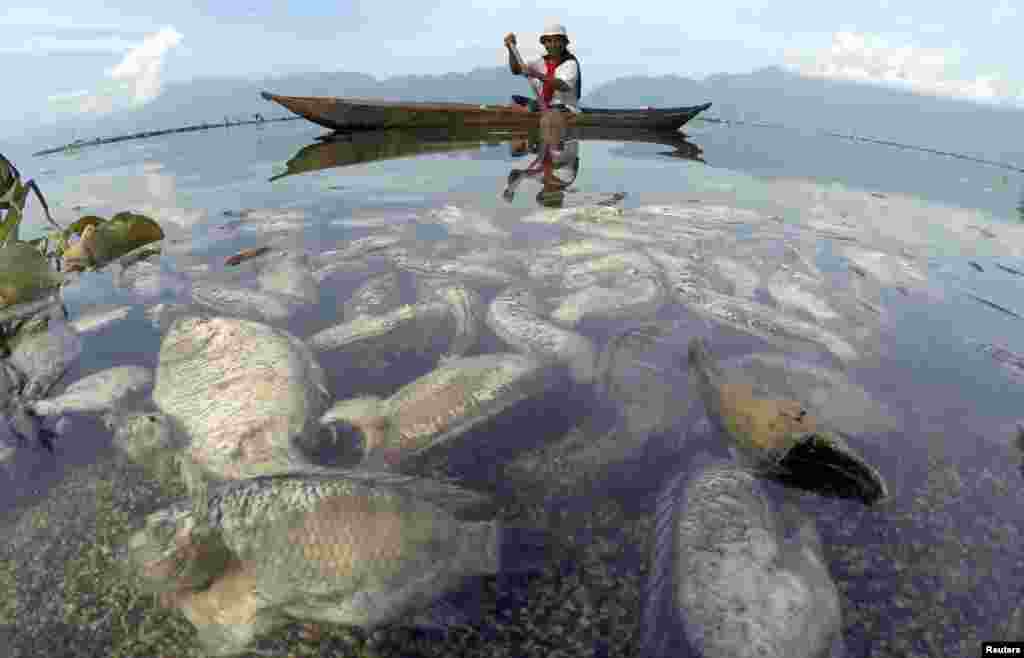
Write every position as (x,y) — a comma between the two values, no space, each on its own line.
(87,57)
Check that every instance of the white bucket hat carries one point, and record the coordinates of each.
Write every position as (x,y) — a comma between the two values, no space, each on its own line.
(555,30)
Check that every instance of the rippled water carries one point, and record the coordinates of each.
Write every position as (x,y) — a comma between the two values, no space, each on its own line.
(933,572)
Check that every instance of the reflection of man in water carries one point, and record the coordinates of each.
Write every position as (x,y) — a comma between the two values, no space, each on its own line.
(562,156)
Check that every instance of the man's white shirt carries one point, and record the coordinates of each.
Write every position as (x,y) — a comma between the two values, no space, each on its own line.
(568,72)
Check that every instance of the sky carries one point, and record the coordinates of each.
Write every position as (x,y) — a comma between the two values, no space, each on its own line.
(76,57)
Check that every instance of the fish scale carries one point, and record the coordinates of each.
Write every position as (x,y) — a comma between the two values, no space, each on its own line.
(355,548)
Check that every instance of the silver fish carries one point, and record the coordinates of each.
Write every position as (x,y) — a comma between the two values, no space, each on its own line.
(376,296)
(96,392)
(515,316)
(726,582)
(628,296)
(354,548)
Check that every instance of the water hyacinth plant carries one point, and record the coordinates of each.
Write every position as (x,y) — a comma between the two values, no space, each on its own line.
(31,270)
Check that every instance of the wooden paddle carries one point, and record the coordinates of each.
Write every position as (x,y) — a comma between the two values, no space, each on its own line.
(522,67)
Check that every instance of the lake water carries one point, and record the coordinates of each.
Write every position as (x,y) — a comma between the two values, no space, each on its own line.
(934,571)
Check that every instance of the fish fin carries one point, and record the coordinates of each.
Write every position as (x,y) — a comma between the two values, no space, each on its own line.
(461,502)
(659,628)
(523,549)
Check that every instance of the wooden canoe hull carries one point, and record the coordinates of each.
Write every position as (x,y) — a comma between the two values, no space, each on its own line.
(343,149)
(350,114)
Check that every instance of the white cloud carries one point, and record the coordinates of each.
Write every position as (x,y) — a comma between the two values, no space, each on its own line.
(142,66)
(869,58)
(137,79)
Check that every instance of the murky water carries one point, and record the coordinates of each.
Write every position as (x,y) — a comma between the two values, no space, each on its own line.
(909,247)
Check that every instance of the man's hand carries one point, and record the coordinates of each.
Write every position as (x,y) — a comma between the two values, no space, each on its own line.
(510,40)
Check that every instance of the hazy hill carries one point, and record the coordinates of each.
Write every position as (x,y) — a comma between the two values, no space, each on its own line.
(770,95)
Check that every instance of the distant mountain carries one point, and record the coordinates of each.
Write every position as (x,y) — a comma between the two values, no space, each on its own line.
(773,95)
(770,95)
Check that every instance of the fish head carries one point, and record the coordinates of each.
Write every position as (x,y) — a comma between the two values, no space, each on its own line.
(822,462)
(175,551)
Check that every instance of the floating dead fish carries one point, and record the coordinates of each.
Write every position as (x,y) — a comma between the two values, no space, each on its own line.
(442,405)
(460,221)
(727,582)
(515,316)
(794,298)
(978,267)
(740,280)
(44,355)
(588,272)
(97,392)
(888,269)
(412,328)
(577,214)
(474,273)
(757,319)
(628,297)
(244,393)
(353,548)
(377,296)
(779,437)
(97,320)
(827,394)
(248,303)
(291,275)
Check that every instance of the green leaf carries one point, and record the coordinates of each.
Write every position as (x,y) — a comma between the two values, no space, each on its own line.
(124,232)
(25,274)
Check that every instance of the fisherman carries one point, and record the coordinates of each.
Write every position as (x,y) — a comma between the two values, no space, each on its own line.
(555,77)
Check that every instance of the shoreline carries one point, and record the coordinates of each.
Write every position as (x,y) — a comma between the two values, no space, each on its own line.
(156,133)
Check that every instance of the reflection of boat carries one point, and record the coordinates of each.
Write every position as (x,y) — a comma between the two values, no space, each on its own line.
(340,149)
(365,114)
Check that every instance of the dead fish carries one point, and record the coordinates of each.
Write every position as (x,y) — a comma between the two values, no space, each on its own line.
(244,393)
(739,279)
(628,296)
(411,328)
(515,316)
(245,254)
(727,582)
(460,221)
(244,302)
(780,437)
(44,354)
(96,320)
(587,273)
(444,404)
(474,273)
(96,392)
(290,275)
(354,548)
(376,296)
(978,267)
(827,394)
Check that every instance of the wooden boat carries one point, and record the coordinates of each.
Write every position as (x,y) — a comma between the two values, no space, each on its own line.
(351,114)
(343,149)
